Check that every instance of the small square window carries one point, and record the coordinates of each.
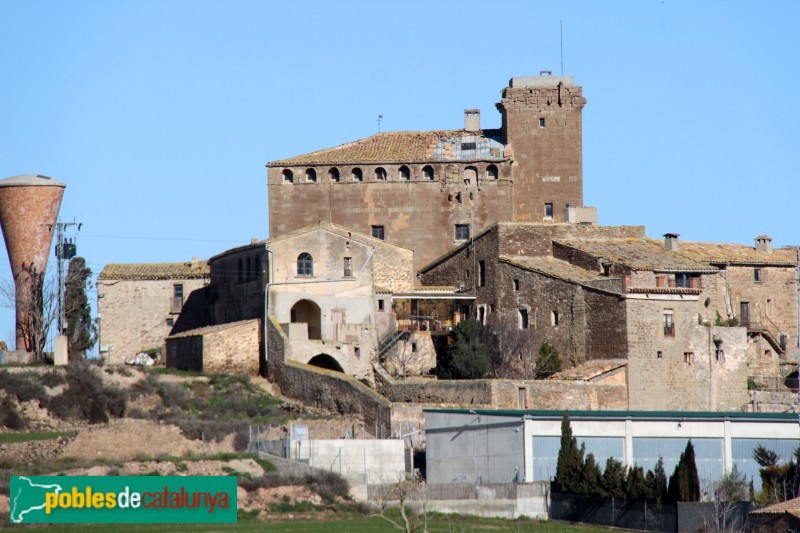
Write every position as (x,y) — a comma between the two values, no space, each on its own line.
(170,322)
(660,354)
(377,232)
(541,122)
(462,232)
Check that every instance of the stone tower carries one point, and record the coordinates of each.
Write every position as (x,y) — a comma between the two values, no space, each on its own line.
(542,128)
(29,207)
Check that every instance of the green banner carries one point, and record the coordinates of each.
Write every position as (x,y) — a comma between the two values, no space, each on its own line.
(122,499)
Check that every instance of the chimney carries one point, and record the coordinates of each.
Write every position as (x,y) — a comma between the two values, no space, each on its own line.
(764,244)
(472,120)
(671,241)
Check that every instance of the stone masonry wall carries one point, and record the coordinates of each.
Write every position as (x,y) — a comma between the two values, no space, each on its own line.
(134,314)
(683,372)
(418,215)
(505,394)
(234,349)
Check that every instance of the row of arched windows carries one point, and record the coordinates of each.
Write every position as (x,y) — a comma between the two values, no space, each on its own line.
(249,270)
(380,174)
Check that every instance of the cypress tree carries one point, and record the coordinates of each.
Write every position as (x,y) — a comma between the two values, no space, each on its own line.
(614,479)
(660,482)
(570,461)
(684,483)
(635,486)
(592,479)
(81,331)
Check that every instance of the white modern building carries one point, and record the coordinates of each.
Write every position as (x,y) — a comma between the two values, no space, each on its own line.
(492,446)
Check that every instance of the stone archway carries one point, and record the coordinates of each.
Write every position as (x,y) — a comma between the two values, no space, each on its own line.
(324,360)
(306,311)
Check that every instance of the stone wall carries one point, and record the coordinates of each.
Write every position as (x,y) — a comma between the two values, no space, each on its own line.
(418,215)
(683,372)
(507,393)
(136,315)
(230,349)
(326,388)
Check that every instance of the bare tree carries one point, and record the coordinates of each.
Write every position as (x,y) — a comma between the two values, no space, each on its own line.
(726,495)
(403,359)
(516,353)
(404,492)
(38,307)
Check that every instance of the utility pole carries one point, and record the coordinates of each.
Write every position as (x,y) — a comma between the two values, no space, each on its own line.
(65,250)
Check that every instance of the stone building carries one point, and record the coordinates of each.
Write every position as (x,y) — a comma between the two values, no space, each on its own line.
(320,284)
(759,292)
(139,305)
(431,191)
(606,293)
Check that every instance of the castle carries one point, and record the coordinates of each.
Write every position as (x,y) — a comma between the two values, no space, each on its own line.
(430,191)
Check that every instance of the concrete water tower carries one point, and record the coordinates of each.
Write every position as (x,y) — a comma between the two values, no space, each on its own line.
(29,207)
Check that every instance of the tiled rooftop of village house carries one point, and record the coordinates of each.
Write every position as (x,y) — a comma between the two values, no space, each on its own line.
(155,271)
(637,254)
(387,147)
(729,253)
(553,267)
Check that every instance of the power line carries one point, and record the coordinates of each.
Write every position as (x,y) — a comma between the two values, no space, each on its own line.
(176,239)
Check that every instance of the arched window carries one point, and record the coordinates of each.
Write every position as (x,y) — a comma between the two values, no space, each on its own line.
(470,175)
(249,271)
(305,264)
(491,172)
(311,175)
(288,177)
(405,174)
(427,172)
(380,174)
(258,266)
(333,174)
(358,175)
(240,273)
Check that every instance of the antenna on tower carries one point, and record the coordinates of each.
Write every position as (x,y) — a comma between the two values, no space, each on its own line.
(561,24)
(380,118)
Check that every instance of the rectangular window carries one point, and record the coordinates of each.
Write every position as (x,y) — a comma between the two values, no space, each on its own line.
(516,284)
(468,146)
(757,276)
(177,298)
(522,402)
(548,211)
(523,319)
(669,325)
(377,232)
(348,267)
(541,122)
(380,305)
(170,322)
(481,273)
(683,281)
(462,232)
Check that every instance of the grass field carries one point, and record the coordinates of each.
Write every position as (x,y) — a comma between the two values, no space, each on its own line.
(7,438)
(355,524)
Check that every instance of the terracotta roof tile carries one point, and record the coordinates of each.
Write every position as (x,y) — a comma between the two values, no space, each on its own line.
(553,267)
(779,508)
(729,253)
(155,271)
(637,254)
(386,147)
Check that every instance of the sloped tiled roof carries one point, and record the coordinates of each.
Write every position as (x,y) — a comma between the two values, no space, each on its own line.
(637,254)
(385,147)
(155,271)
(723,253)
(553,267)
(779,508)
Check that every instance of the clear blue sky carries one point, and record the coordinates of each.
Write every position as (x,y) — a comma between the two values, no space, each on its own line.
(160,115)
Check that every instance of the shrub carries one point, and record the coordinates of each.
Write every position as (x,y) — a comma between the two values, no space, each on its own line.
(87,398)
(22,387)
(173,395)
(548,361)
(54,378)
(10,417)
